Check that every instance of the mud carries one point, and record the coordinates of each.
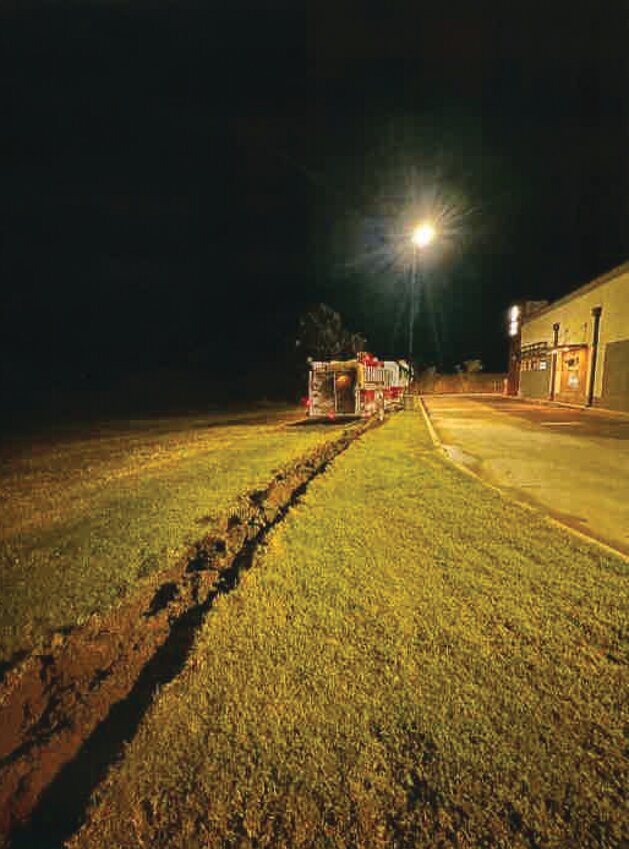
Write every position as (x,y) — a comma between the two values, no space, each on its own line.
(66,711)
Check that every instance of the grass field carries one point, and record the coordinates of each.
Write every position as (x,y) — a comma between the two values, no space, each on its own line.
(412,661)
(85,517)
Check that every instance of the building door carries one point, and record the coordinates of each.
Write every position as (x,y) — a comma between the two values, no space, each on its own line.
(572,377)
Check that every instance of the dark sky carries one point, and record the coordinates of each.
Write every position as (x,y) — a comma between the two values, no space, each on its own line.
(179,183)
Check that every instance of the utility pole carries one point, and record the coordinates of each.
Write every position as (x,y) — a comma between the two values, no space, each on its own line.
(411,312)
(421,237)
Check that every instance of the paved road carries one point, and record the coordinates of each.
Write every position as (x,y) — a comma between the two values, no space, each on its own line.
(573,463)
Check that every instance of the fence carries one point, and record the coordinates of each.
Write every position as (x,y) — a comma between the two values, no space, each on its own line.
(445,384)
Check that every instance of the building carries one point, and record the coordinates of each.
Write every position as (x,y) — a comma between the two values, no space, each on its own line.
(575,350)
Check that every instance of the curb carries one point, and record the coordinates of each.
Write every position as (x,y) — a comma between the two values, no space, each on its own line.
(594,411)
(604,547)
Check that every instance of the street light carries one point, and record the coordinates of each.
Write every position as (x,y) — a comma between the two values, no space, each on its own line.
(423,235)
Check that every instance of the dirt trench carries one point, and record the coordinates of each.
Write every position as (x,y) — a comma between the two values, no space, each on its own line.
(66,711)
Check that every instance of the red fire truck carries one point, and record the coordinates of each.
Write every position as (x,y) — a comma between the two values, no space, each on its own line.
(363,386)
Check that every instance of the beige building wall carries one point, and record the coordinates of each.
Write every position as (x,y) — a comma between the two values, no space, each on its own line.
(573,313)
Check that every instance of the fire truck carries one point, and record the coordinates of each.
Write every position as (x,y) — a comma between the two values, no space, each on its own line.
(364,386)
(399,381)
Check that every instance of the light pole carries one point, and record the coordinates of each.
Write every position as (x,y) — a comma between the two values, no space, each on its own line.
(422,236)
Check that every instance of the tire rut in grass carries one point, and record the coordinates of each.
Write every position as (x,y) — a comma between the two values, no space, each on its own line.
(66,713)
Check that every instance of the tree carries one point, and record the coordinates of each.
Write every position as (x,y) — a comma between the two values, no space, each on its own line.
(472,366)
(322,335)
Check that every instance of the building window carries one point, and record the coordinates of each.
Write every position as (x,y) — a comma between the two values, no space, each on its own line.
(534,357)
(535,364)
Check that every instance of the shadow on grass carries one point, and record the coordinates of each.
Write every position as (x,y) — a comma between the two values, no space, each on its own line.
(325,421)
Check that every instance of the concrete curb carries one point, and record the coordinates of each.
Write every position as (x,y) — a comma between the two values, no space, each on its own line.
(604,547)
(593,411)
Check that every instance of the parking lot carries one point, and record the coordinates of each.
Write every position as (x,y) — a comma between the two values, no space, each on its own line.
(573,463)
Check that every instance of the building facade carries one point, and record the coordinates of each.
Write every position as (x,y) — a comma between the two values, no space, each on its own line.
(577,349)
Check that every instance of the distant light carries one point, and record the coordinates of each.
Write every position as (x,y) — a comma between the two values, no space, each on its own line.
(513,328)
(514,313)
(423,235)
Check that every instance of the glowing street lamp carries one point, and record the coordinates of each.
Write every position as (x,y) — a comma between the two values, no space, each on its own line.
(423,235)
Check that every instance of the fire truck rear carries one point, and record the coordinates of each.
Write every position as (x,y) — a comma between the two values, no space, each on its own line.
(363,386)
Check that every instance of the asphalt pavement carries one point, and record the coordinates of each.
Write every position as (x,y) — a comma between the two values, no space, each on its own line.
(573,463)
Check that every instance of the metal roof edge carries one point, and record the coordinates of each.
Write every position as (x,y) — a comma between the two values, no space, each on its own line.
(592,284)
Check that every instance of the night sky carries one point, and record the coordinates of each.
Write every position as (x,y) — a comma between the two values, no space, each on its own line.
(180,183)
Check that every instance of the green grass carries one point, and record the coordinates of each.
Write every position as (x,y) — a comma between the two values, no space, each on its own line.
(413,661)
(84,518)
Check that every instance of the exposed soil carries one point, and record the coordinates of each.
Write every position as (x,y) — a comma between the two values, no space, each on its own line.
(66,711)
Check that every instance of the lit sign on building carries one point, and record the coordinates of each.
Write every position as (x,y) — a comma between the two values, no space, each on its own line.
(514,320)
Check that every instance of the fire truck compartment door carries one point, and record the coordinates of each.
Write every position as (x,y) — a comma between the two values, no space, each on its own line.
(345,391)
(323,392)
